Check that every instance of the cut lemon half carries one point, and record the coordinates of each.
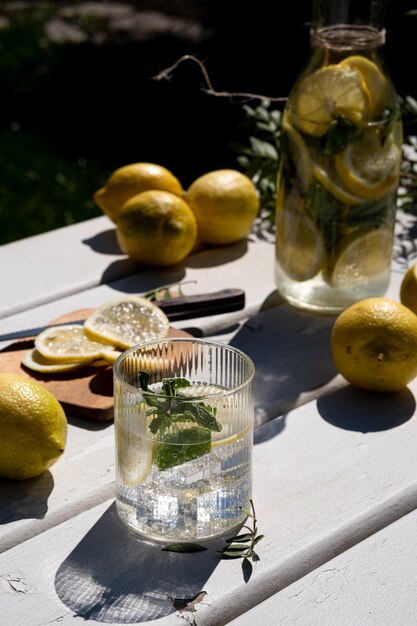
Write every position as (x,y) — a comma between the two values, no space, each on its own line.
(330,92)
(334,187)
(300,248)
(34,360)
(368,169)
(362,255)
(127,321)
(299,154)
(69,343)
(375,81)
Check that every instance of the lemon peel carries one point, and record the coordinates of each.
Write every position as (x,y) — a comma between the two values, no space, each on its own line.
(300,154)
(408,290)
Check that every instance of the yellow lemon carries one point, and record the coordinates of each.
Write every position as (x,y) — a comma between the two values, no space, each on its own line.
(408,291)
(326,94)
(156,228)
(33,428)
(374,344)
(126,321)
(372,77)
(129,180)
(225,204)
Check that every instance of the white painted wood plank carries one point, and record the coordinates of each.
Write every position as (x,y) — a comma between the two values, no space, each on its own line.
(63,261)
(372,583)
(327,475)
(218,268)
(56,264)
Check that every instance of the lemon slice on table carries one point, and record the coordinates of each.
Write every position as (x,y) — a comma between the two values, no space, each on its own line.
(69,343)
(362,255)
(38,363)
(300,248)
(373,78)
(127,321)
(368,169)
(330,92)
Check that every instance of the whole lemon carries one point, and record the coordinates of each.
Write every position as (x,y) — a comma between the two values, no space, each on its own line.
(374,344)
(225,204)
(129,180)
(156,228)
(408,291)
(33,428)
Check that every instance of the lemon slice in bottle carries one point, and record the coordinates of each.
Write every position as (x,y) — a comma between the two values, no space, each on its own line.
(127,321)
(34,360)
(299,153)
(69,343)
(361,256)
(331,183)
(330,92)
(300,248)
(375,81)
(368,169)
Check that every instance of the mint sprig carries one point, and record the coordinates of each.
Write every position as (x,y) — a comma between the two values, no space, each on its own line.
(168,408)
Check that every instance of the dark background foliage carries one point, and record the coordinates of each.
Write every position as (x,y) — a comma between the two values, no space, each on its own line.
(79,99)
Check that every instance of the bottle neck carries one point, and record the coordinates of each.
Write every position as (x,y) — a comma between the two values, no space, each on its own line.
(347,37)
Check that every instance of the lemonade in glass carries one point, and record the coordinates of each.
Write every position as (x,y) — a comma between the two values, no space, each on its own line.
(184,429)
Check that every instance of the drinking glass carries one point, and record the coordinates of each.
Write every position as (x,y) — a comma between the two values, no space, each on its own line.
(184,431)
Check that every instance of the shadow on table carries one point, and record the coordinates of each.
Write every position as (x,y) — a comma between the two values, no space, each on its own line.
(25,499)
(113,576)
(291,352)
(353,409)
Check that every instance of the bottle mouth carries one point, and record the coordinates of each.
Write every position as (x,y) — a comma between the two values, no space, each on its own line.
(348,37)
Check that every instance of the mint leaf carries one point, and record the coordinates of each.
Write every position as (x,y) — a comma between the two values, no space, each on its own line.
(180,447)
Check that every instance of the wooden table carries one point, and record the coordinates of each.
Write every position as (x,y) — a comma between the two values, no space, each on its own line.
(335,469)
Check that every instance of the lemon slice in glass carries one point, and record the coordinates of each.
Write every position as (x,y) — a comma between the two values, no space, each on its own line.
(362,255)
(35,361)
(127,321)
(373,78)
(330,92)
(69,343)
(368,169)
(134,454)
(300,248)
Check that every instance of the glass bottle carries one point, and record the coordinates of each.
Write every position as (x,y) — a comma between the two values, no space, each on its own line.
(339,165)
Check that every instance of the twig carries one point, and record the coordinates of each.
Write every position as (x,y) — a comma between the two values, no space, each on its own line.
(167,75)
